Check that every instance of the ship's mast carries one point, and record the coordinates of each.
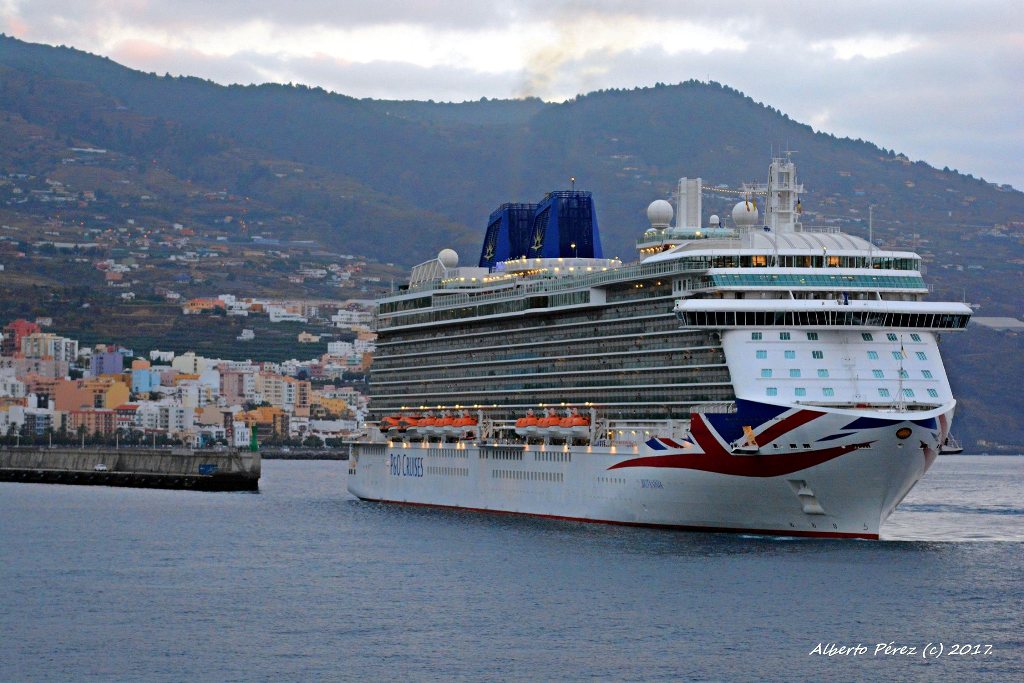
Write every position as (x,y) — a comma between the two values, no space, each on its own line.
(782,205)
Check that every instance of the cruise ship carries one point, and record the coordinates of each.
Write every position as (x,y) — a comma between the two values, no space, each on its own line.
(751,375)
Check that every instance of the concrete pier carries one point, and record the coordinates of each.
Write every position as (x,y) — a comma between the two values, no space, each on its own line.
(201,470)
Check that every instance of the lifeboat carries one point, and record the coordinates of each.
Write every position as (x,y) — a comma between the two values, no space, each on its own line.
(428,425)
(462,427)
(572,426)
(409,425)
(390,424)
(527,426)
(551,425)
(549,421)
(579,426)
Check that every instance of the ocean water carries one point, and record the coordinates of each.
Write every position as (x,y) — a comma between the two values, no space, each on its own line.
(301,582)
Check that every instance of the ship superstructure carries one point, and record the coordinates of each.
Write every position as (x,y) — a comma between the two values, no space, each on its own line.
(747,377)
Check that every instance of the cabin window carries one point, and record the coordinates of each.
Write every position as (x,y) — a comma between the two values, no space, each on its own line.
(784,336)
(898,355)
(771,391)
(933,393)
(790,354)
(891,336)
(828,391)
(800,391)
(878,374)
(759,261)
(766,372)
(866,336)
(927,374)
(872,355)
(915,336)
(908,393)
(822,372)
(884,393)
(817,354)
(903,374)
(812,336)
(761,353)
(794,372)
(755,336)
(921,355)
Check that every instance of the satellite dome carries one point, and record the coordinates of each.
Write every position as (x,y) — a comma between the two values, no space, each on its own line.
(745,214)
(714,220)
(659,213)
(448,258)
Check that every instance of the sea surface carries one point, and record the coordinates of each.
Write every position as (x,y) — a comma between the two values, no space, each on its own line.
(301,582)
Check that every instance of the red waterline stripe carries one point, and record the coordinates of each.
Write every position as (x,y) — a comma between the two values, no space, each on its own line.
(679,527)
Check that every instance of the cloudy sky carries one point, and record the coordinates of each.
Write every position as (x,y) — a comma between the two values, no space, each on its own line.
(939,80)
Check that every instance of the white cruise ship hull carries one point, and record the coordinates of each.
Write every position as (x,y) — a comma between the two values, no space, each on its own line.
(816,472)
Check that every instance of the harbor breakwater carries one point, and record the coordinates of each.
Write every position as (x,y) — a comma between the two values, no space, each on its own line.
(200,470)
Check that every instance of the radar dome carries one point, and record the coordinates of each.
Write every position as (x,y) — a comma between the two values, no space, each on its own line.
(745,214)
(659,213)
(714,220)
(448,258)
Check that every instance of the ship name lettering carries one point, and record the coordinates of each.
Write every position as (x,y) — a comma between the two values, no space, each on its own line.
(651,484)
(406,465)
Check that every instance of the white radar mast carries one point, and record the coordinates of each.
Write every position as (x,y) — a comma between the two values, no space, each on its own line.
(782,200)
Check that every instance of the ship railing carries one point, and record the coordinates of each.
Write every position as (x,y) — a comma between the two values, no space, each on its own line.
(555,283)
(444,300)
(827,229)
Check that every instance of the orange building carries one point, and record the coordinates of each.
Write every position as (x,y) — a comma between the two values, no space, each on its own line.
(268,420)
(96,392)
(334,406)
(94,420)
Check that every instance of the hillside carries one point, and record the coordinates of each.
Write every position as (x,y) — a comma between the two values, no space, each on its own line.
(396,181)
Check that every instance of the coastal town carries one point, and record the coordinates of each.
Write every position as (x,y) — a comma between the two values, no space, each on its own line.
(54,390)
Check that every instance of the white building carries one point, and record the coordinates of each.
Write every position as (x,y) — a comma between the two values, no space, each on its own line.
(346,318)
(279,314)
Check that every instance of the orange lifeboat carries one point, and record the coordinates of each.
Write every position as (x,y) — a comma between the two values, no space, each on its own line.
(390,423)
(428,424)
(579,425)
(463,426)
(527,426)
(409,425)
(548,421)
